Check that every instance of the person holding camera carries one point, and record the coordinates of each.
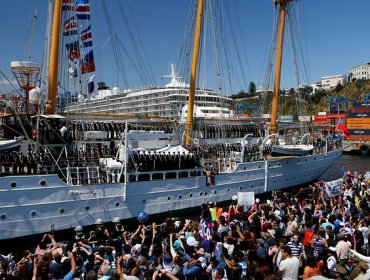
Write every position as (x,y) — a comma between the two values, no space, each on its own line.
(79,234)
(100,232)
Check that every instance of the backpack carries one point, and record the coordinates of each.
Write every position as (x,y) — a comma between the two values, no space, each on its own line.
(308,236)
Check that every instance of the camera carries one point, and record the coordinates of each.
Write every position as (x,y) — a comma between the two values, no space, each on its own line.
(92,234)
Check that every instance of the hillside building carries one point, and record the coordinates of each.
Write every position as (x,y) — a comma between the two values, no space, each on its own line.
(361,71)
(330,82)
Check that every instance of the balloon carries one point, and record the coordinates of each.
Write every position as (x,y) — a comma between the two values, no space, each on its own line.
(142,217)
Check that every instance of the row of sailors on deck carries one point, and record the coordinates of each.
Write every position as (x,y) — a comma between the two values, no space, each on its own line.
(233,131)
(18,163)
(114,130)
(164,161)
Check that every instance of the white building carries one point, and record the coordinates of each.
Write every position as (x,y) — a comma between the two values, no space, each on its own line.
(361,71)
(330,82)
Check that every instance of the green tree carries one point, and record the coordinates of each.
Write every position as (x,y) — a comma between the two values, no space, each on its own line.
(338,88)
(252,88)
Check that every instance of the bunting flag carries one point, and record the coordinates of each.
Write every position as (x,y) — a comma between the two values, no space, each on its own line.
(83,9)
(341,126)
(88,64)
(68,5)
(86,37)
(73,50)
(70,27)
(91,88)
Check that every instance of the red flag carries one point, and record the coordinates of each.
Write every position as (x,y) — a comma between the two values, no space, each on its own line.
(73,50)
(341,126)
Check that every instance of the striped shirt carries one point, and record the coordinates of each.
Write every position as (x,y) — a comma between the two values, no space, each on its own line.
(296,248)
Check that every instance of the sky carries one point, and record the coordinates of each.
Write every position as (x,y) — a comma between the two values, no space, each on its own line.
(335,37)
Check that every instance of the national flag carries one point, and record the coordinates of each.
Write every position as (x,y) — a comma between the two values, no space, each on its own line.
(68,5)
(70,27)
(341,126)
(91,88)
(83,9)
(86,37)
(87,64)
(73,50)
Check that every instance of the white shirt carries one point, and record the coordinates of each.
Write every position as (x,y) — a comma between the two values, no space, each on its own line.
(289,267)
(217,251)
(63,131)
(331,263)
(365,233)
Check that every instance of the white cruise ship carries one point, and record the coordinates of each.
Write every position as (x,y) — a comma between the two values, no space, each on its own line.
(168,101)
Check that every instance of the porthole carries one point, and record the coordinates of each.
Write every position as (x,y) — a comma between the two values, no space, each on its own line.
(144,200)
(228,189)
(245,168)
(61,210)
(180,196)
(269,164)
(168,198)
(42,183)
(259,166)
(305,160)
(13,184)
(117,204)
(286,179)
(287,162)
(240,187)
(278,164)
(214,192)
(191,195)
(33,213)
(262,184)
(201,193)
(251,185)
(205,193)
(87,207)
(3,216)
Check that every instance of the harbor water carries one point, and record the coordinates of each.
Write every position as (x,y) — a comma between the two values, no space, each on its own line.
(359,163)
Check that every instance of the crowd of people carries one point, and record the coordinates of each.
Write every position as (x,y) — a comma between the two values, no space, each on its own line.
(296,234)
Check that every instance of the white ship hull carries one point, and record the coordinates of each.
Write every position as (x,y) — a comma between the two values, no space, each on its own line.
(32,204)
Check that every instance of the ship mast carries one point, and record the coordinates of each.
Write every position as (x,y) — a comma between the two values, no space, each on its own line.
(189,118)
(275,98)
(54,55)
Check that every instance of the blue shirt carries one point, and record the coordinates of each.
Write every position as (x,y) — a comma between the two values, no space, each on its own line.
(191,271)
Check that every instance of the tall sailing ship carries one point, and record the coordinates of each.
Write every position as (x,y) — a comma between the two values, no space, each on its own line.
(79,170)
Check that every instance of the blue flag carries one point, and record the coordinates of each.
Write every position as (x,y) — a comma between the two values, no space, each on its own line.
(88,64)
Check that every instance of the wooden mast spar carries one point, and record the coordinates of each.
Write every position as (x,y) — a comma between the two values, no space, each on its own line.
(275,98)
(189,118)
(54,55)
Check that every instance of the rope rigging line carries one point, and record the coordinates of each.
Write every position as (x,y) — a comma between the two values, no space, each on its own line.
(27,44)
(187,47)
(243,79)
(240,30)
(268,78)
(116,51)
(294,36)
(146,75)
